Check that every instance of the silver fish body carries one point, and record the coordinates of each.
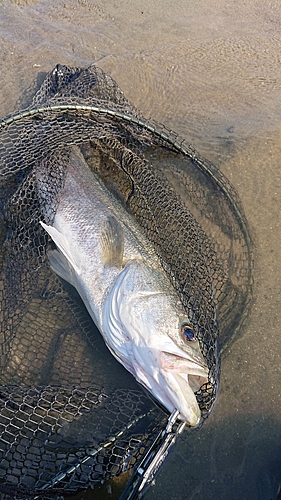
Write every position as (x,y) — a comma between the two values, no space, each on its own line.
(102,252)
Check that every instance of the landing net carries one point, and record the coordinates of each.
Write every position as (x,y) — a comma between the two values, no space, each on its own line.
(67,420)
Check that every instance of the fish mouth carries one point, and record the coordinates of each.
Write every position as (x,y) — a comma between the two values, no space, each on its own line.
(183,377)
(173,384)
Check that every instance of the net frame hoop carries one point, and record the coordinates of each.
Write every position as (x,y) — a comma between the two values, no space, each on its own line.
(177,145)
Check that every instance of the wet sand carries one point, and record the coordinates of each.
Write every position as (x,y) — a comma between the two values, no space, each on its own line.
(211,72)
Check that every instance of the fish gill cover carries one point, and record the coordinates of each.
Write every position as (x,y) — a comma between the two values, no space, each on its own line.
(64,422)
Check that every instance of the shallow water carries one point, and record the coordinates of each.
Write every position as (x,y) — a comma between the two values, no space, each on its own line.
(211,72)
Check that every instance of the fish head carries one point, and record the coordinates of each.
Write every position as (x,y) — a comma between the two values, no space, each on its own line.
(150,335)
(168,360)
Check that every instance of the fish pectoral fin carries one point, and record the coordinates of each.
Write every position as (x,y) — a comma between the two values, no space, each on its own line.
(61,242)
(112,243)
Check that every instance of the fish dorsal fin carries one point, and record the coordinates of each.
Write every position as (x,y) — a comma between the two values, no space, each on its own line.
(62,243)
(112,243)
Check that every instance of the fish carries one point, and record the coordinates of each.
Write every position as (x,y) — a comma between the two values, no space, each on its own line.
(101,250)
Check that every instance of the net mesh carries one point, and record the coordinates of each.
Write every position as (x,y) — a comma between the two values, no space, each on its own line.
(67,421)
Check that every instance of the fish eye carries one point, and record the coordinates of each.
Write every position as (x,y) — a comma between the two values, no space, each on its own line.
(187,333)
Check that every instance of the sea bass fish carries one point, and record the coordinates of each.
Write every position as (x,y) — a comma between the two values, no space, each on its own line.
(102,252)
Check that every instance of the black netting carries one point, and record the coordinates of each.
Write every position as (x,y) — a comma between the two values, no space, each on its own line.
(63,426)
